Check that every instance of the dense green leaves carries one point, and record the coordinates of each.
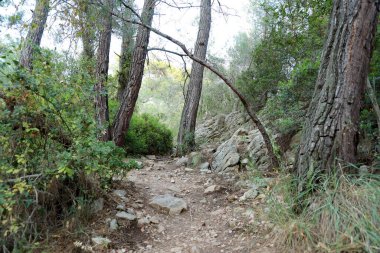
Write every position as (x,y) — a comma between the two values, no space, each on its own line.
(146,135)
(47,140)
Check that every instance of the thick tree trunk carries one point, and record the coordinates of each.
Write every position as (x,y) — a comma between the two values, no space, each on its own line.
(131,92)
(34,36)
(330,134)
(186,140)
(127,45)
(375,105)
(101,96)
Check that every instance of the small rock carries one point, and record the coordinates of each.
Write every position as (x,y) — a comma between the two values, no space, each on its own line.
(204,166)
(364,169)
(250,194)
(101,241)
(172,181)
(131,210)
(154,220)
(113,225)
(189,170)
(120,207)
(127,216)
(120,193)
(217,212)
(169,203)
(182,161)
(195,249)
(212,189)
(245,161)
(176,250)
(203,201)
(151,157)
(160,228)
(97,205)
(143,221)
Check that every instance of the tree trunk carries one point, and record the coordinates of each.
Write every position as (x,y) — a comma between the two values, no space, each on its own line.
(330,134)
(101,96)
(186,140)
(131,92)
(87,29)
(34,36)
(127,44)
(375,105)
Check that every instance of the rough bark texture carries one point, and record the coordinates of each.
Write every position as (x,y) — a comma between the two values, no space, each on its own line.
(375,105)
(131,92)
(34,36)
(127,45)
(331,130)
(87,29)
(102,62)
(185,140)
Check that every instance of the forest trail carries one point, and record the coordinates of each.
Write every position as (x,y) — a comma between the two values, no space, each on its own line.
(217,221)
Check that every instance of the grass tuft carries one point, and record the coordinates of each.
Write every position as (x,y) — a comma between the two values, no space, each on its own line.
(342,215)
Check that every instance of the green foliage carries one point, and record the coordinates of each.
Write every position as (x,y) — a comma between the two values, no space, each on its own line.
(146,135)
(49,153)
(287,108)
(340,216)
(161,93)
(284,57)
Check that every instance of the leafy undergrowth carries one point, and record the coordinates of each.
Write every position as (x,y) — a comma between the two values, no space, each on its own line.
(342,215)
(147,135)
(51,164)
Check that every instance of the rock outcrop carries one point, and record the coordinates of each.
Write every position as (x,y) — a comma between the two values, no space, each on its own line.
(237,141)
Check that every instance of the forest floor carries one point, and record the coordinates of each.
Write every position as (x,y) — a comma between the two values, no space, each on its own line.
(218,221)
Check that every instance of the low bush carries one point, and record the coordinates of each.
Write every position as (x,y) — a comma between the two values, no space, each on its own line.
(146,135)
(50,159)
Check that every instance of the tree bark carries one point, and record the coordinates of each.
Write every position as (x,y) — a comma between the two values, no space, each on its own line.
(34,36)
(130,93)
(127,44)
(186,138)
(87,30)
(330,134)
(375,105)
(101,96)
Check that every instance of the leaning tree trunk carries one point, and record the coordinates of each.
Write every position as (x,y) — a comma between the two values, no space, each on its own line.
(330,134)
(34,36)
(127,44)
(101,96)
(131,92)
(186,140)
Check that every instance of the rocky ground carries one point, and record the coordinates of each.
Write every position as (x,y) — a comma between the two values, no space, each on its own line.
(169,207)
(204,202)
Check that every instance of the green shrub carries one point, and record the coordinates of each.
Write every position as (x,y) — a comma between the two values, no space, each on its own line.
(49,155)
(146,135)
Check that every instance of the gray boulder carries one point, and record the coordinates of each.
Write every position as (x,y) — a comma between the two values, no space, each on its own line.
(126,216)
(168,204)
(183,161)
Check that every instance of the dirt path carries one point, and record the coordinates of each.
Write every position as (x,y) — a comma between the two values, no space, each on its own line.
(214,222)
